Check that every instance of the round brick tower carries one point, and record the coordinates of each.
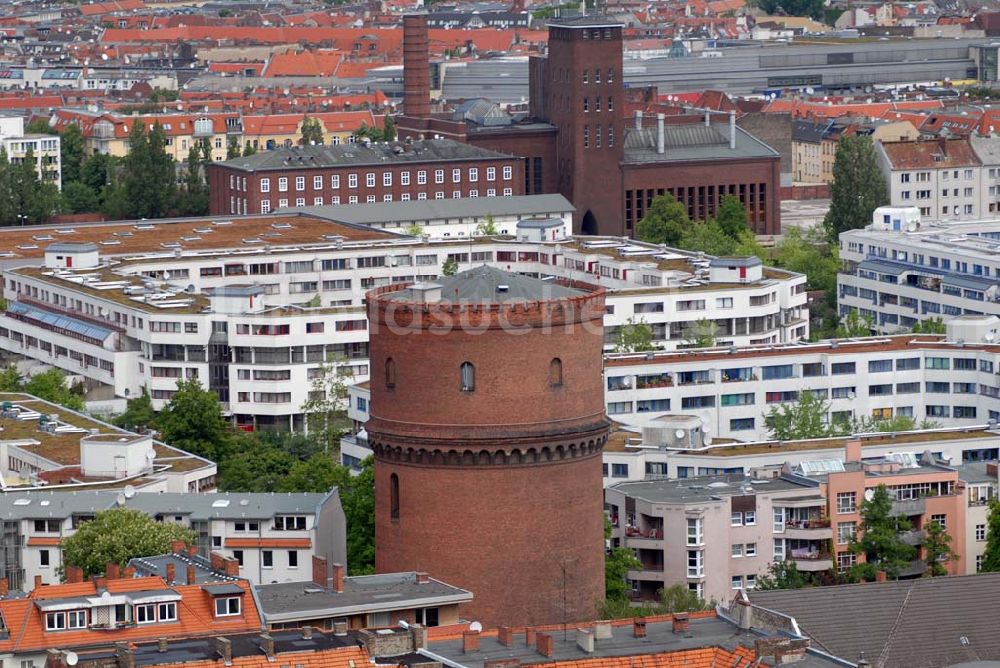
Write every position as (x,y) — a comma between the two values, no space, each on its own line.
(487,423)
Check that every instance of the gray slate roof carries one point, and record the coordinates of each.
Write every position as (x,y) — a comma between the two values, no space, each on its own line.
(359,155)
(61,505)
(693,142)
(906,624)
(479,285)
(701,490)
(439,209)
(365,593)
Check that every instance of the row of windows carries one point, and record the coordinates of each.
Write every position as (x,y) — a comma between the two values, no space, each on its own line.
(318,181)
(265,204)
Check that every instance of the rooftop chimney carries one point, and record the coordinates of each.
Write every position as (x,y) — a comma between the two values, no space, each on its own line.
(505,636)
(470,642)
(419,632)
(744,613)
(681,623)
(161,645)
(639,627)
(307,632)
(853,450)
(217,560)
(38,581)
(224,648)
(113,571)
(171,573)
(54,658)
(129,572)
(529,637)
(338,578)
(124,656)
(192,551)
(320,571)
(880,576)
(732,130)
(660,141)
(544,644)
(267,645)
(73,574)
(423,578)
(585,640)
(638,119)
(416,67)
(192,574)
(177,546)
(232,567)
(4,587)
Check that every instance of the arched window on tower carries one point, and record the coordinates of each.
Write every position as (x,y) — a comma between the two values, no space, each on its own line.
(390,373)
(394,497)
(555,372)
(468,377)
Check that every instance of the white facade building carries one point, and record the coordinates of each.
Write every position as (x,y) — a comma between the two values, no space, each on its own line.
(272,536)
(941,177)
(931,270)
(45,149)
(257,312)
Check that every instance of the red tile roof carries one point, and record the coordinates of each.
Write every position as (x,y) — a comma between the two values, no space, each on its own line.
(337,657)
(195,616)
(935,154)
(98,8)
(319,63)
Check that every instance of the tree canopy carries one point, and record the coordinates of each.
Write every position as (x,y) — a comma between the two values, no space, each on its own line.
(312,132)
(665,222)
(117,535)
(991,555)
(192,421)
(634,337)
(878,538)
(858,186)
(783,575)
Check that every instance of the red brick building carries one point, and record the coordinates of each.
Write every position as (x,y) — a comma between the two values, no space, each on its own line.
(578,140)
(360,173)
(488,442)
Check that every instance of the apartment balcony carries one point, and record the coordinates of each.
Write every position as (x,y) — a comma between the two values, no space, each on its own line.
(651,539)
(811,561)
(909,507)
(647,572)
(912,537)
(808,529)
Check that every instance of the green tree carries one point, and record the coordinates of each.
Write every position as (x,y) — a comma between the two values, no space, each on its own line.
(357,496)
(39,126)
(8,209)
(249,149)
(138,413)
(388,128)
(811,8)
(678,598)
(326,407)
(487,227)
(192,421)
(233,148)
(312,132)
(450,267)
(10,379)
(937,548)
(665,222)
(194,198)
(32,197)
(71,153)
(51,386)
(732,217)
(929,326)
(254,466)
(853,325)
(782,575)
(96,172)
(634,337)
(858,186)
(79,198)
(880,542)
(414,230)
(700,333)
(117,535)
(319,473)
(149,177)
(806,417)
(618,561)
(708,237)
(991,555)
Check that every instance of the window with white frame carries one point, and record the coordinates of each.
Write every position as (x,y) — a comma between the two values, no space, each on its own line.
(491,173)
(694,536)
(695,564)
(473,174)
(737,581)
(370,179)
(845,532)
(300,201)
(265,185)
(422,177)
(847,502)
(508,173)
(438,176)
(736,550)
(166,612)
(144,613)
(404,178)
(228,606)
(456,175)
(300,183)
(317,183)
(750,549)
(335,181)
(283,184)
(980,532)
(352,180)
(386,178)
(265,206)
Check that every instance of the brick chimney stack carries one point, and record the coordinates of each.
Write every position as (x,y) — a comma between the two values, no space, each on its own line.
(416,67)
(171,573)
(192,574)
(339,574)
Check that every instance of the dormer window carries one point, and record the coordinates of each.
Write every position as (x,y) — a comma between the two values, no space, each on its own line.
(227,607)
(62,620)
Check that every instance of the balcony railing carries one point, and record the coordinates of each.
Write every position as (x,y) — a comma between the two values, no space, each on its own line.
(635,532)
(821,523)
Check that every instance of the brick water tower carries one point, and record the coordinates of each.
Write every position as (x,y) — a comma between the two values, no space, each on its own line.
(487,423)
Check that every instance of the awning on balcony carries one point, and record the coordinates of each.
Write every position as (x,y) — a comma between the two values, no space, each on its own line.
(60,322)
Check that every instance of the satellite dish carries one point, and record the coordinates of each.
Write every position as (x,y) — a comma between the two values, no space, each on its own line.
(166,275)
(120,500)
(475,627)
(680,433)
(70,658)
(869,494)
(150,455)
(128,492)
